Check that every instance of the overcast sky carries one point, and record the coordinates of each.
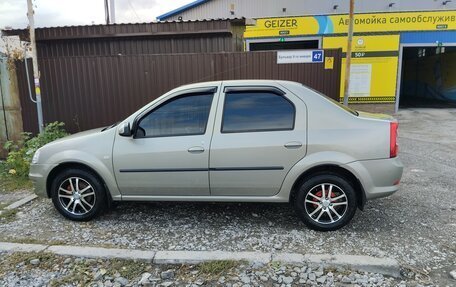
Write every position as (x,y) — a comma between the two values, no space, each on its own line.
(50,13)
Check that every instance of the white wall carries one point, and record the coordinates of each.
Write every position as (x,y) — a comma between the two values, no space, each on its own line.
(272,8)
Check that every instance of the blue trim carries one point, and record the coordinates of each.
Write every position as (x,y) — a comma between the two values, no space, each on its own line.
(428,37)
(181,9)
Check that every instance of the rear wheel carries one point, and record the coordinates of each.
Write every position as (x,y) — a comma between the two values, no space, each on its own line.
(78,194)
(325,202)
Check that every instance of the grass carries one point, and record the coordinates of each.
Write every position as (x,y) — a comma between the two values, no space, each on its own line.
(218,267)
(81,273)
(7,215)
(47,260)
(10,182)
(13,183)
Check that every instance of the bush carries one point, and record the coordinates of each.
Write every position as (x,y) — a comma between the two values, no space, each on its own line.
(20,153)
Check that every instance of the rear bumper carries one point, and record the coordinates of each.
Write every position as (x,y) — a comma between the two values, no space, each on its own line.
(379,178)
(38,175)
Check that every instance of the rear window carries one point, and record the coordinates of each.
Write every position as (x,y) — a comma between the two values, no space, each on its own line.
(256,112)
(350,110)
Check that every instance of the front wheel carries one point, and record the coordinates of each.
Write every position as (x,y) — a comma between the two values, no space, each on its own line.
(325,202)
(78,194)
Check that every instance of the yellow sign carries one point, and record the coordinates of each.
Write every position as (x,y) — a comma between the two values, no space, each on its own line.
(374,71)
(336,24)
(329,63)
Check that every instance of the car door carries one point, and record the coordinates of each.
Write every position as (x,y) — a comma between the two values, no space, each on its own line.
(169,152)
(260,133)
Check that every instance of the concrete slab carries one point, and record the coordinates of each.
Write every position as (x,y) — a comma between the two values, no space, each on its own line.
(385,266)
(98,252)
(21,202)
(22,247)
(192,257)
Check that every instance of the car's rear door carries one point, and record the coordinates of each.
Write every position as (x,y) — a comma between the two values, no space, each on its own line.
(259,134)
(169,154)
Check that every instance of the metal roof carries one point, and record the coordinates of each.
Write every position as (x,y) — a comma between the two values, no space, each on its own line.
(151,29)
(181,9)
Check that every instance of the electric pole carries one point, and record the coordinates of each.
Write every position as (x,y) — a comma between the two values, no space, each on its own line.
(110,12)
(348,54)
(36,71)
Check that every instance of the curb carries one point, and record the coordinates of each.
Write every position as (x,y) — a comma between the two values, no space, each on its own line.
(21,202)
(192,257)
(385,266)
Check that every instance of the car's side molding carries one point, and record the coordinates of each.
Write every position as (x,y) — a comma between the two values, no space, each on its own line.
(248,168)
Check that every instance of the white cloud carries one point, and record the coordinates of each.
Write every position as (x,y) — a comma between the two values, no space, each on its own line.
(50,13)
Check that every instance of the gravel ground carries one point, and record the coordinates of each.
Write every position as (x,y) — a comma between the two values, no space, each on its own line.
(417,225)
(41,269)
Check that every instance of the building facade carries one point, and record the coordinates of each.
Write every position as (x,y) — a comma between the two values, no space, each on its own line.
(403,52)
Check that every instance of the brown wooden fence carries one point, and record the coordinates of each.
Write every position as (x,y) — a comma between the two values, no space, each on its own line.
(89,92)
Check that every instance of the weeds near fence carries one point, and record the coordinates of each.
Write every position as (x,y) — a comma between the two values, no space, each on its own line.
(14,171)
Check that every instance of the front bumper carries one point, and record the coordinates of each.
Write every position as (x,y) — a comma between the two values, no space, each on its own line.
(379,178)
(38,175)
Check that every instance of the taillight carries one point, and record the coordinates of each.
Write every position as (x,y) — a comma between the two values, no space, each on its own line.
(393,139)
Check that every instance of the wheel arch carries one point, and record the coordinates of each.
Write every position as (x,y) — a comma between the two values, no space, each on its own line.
(348,175)
(76,165)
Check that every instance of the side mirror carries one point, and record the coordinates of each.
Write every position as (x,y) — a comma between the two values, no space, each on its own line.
(125,130)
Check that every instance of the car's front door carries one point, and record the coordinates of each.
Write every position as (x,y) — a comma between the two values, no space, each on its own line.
(259,134)
(169,152)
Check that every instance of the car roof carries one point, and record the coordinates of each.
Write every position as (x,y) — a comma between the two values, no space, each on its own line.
(236,82)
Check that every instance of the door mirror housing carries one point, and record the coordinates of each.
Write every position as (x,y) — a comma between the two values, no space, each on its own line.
(125,130)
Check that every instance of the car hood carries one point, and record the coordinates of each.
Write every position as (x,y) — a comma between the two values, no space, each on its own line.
(78,135)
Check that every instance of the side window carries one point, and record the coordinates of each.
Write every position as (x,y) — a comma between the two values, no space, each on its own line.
(183,115)
(257,111)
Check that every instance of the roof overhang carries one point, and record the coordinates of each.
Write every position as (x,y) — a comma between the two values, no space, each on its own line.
(181,9)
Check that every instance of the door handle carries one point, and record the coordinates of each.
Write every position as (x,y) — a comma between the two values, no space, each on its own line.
(196,149)
(293,144)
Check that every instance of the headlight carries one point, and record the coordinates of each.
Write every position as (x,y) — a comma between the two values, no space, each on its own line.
(36,157)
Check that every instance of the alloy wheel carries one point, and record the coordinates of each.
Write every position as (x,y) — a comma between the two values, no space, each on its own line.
(326,203)
(76,196)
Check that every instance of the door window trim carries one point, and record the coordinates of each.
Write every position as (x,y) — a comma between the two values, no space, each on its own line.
(196,91)
(255,89)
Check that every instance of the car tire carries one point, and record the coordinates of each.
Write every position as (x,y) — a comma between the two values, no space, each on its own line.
(321,211)
(78,194)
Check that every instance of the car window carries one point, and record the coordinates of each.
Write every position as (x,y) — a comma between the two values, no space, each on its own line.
(347,109)
(257,111)
(184,115)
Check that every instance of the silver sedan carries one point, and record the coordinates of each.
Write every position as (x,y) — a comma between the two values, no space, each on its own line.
(237,141)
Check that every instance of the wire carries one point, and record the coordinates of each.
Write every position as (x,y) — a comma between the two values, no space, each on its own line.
(134,11)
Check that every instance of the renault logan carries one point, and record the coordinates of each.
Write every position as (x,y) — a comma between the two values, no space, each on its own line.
(230,141)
